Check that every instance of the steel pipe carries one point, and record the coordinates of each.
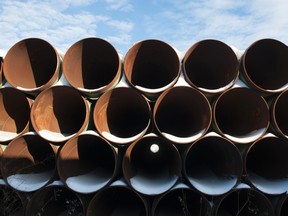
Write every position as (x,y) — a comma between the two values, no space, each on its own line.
(151,165)
(182,114)
(28,163)
(210,66)
(59,113)
(86,163)
(92,66)
(122,115)
(32,65)
(241,115)
(264,66)
(266,165)
(2,79)
(151,66)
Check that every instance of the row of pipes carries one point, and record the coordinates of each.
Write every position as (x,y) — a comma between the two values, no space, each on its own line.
(154,133)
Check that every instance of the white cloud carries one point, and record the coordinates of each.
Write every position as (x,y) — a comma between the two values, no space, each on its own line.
(121,5)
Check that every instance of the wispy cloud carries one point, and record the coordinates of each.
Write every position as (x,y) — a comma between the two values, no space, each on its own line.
(121,5)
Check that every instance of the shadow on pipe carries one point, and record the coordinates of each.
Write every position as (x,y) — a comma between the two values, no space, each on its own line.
(282,206)
(266,165)
(92,65)
(213,165)
(210,66)
(59,113)
(151,165)
(2,79)
(264,66)
(241,115)
(14,113)
(28,163)
(117,200)
(122,115)
(32,65)
(151,66)
(182,114)
(87,163)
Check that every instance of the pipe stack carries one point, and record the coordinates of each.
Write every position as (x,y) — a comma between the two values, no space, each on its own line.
(153,134)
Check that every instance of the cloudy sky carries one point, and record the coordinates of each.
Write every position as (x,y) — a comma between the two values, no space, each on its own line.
(180,23)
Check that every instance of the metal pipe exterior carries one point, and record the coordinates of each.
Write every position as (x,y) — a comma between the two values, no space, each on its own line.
(210,66)
(182,114)
(32,65)
(151,165)
(151,66)
(59,113)
(241,115)
(264,66)
(92,66)
(122,115)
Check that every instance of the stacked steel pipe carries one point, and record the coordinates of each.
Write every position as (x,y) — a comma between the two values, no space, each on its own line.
(89,133)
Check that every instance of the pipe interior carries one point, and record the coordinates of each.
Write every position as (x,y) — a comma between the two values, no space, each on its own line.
(283,209)
(152,165)
(86,163)
(30,63)
(280,113)
(267,165)
(265,63)
(11,203)
(91,63)
(211,64)
(151,64)
(117,201)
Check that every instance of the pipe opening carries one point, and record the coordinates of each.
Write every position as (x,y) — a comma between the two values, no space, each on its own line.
(213,165)
(117,201)
(280,114)
(122,115)
(149,172)
(267,165)
(182,114)
(59,113)
(31,64)
(86,163)
(151,65)
(28,163)
(265,65)
(91,63)
(210,66)
(14,113)
(241,115)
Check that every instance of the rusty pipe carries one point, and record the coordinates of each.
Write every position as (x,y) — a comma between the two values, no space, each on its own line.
(32,65)
(266,165)
(86,163)
(210,66)
(92,66)
(59,113)
(151,66)
(264,66)
(151,165)
(241,115)
(28,163)
(2,79)
(122,115)
(182,114)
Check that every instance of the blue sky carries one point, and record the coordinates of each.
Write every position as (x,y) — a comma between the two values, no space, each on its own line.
(180,23)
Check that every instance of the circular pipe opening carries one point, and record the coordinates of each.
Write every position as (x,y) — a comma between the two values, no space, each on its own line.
(86,163)
(28,163)
(55,200)
(32,65)
(241,115)
(244,202)
(211,66)
(122,115)
(150,172)
(267,165)
(264,65)
(92,65)
(117,201)
(59,113)
(182,114)
(151,66)
(14,113)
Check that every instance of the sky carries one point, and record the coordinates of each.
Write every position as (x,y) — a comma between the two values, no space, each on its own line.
(180,23)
